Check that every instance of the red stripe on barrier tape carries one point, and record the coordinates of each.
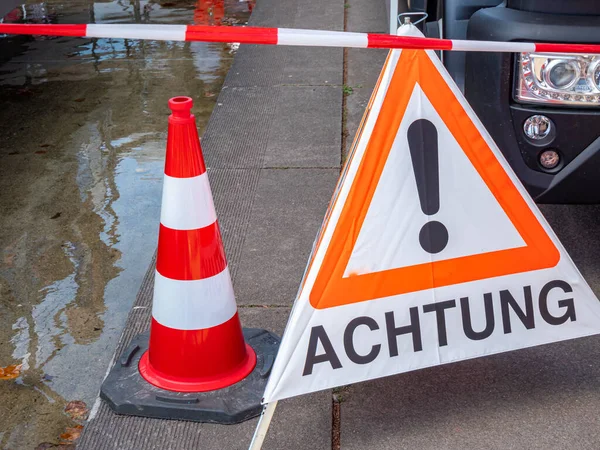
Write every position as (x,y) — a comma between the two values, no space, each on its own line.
(409,42)
(190,254)
(567,48)
(43,29)
(244,35)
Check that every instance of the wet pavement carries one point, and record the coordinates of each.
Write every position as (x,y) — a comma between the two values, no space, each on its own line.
(83,128)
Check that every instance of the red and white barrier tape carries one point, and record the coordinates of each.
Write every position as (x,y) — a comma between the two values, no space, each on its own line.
(285,36)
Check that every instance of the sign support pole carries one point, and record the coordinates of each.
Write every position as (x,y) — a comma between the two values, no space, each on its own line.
(263,426)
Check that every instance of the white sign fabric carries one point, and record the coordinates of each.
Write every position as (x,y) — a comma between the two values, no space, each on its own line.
(431,252)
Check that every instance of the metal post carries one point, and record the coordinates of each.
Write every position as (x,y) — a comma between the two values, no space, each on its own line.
(393,17)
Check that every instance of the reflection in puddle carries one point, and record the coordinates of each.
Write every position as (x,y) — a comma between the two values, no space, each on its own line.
(20,342)
(81,161)
(49,315)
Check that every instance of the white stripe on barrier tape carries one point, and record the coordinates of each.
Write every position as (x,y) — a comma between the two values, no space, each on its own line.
(195,304)
(487,46)
(187,203)
(287,36)
(138,31)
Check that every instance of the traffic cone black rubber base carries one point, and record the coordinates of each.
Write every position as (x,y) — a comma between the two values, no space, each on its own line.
(126,392)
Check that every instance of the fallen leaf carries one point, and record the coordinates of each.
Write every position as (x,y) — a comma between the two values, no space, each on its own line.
(72,433)
(10,372)
(77,410)
(79,100)
(41,152)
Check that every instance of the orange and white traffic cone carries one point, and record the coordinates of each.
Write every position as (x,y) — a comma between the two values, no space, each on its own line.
(196,342)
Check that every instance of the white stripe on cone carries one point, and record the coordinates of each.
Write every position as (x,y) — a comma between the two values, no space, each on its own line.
(195,304)
(187,203)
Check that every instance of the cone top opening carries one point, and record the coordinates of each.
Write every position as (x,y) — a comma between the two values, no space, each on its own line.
(181,106)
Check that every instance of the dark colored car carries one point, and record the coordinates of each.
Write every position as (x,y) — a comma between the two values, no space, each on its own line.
(543,110)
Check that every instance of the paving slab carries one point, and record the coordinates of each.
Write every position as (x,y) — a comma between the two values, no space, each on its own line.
(288,211)
(313,66)
(257,65)
(367,16)
(233,193)
(356,104)
(308,132)
(578,228)
(263,65)
(238,131)
(274,13)
(539,398)
(260,65)
(364,67)
(319,15)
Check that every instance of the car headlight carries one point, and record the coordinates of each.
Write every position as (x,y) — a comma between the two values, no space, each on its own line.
(558,78)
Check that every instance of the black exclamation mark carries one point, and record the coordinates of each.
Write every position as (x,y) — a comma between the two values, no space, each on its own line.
(423,144)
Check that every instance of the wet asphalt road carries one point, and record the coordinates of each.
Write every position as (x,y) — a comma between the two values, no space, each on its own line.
(83,126)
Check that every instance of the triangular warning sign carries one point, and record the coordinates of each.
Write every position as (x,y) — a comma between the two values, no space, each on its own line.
(431,250)
(424,110)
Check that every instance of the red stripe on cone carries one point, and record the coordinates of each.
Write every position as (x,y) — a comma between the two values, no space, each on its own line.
(180,357)
(190,254)
(184,155)
(197,360)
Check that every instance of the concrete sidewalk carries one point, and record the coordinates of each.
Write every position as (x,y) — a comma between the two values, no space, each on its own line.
(273,148)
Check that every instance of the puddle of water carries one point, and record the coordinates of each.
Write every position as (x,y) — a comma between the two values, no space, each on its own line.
(81,159)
